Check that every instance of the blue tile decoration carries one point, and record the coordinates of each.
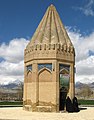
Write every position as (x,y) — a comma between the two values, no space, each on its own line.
(47,65)
(61,66)
(29,67)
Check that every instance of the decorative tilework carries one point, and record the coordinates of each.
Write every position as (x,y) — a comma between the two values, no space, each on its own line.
(61,66)
(29,67)
(48,65)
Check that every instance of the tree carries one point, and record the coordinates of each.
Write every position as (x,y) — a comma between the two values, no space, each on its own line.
(85,92)
(20,91)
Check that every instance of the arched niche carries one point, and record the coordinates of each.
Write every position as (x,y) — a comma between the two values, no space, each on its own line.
(29,76)
(45,81)
(45,75)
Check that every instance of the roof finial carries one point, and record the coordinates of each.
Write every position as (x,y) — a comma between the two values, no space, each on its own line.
(52,7)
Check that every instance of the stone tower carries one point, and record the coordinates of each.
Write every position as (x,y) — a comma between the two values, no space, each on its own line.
(49,61)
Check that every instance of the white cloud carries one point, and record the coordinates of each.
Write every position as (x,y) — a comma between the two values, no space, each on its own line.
(84,61)
(7,79)
(12,67)
(87,9)
(14,51)
(83,44)
(86,67)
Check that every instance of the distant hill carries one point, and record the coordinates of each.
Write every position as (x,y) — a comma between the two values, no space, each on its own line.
(91,85)
(15,84)
(11,87)
(80,85)
(11,91)
(84,91)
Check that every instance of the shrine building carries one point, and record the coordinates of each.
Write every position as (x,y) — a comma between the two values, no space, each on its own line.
(49,61)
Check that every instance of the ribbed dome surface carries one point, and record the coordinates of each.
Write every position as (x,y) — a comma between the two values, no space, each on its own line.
(50,30)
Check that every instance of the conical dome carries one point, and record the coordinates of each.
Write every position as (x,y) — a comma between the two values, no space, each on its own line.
(50,30)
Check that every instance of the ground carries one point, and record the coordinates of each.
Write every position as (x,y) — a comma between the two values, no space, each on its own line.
(17,113)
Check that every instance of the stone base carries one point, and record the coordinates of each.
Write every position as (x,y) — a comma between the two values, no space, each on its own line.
(40,106)
(44,109)
(27,108)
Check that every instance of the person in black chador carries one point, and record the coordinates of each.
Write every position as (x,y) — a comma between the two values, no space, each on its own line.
(69,105)
(75,105)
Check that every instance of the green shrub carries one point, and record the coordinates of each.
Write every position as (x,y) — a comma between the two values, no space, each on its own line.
(86,102)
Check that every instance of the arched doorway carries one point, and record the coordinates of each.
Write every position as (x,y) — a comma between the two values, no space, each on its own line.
(63,87)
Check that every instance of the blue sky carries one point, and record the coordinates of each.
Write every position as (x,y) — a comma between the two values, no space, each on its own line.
(20,18)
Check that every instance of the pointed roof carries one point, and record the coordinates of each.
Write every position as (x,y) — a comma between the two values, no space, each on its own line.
(50,30)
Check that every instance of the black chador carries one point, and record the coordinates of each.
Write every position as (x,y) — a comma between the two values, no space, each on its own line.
(75,105)
(69,105)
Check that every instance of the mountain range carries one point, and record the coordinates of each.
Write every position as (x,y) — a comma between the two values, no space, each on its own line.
(16,83)
(11,87)
(80,85)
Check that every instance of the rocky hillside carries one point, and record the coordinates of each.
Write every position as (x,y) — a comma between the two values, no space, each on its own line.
(84,91)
